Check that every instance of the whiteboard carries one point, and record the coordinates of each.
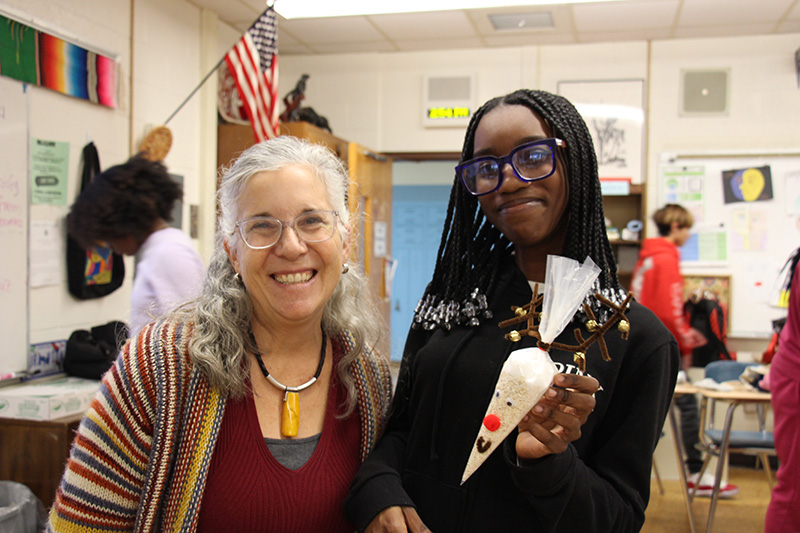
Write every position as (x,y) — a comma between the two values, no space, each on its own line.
(748,229)
(13,226)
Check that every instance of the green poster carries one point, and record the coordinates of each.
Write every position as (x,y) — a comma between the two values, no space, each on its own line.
(49,170)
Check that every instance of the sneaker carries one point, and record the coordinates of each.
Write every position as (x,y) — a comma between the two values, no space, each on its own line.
(705,486)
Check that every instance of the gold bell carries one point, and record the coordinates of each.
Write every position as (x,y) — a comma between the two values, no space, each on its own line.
(591,325)
(514,336)
(520,311)
(580,360)
(624,326)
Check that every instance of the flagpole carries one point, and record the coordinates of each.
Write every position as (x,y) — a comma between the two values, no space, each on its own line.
(219,63)
(269,5)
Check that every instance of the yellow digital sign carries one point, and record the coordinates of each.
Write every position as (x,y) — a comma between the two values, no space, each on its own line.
(448,112)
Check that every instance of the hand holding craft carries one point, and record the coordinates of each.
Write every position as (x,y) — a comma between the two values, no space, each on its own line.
(528,373)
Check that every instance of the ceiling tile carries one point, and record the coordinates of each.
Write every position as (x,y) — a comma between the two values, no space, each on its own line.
(731,13)
(789,26)
(624,15)
(726,31)
(353,47)
(236,13)
(293,49)
(529,39)
(794,14)
(421,26)
(626,35)
(438,44)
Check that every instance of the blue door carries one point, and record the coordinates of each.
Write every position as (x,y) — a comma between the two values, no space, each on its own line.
(418,213)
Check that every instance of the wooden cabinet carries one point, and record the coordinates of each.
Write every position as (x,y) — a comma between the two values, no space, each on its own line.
(233,139)
(35,452)
(620,210)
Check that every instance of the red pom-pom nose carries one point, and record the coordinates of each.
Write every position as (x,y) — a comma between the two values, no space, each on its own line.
(492,422)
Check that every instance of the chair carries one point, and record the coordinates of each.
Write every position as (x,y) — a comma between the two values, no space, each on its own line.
(760,443)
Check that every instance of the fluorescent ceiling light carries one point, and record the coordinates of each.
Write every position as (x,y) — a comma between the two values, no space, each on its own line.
(293,9)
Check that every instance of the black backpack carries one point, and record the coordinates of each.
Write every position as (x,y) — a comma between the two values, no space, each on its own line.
(91,353)
(706,316)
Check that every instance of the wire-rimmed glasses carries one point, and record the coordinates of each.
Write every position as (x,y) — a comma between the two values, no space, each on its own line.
(530,161)
(263,232)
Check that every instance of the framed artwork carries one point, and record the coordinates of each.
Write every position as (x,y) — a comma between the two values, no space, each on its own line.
(614,112)
(714,286)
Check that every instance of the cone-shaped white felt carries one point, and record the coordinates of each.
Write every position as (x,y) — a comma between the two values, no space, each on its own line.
(525,377)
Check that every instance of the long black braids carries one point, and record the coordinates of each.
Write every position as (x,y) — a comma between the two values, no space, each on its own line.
(471,248)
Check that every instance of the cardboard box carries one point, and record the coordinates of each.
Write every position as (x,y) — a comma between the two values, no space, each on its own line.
(47,399)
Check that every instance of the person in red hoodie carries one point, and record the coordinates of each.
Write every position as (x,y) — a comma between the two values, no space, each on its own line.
(658,285)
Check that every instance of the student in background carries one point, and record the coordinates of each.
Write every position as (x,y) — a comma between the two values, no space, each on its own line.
(783,513)
(527,186)
(129,206)
(657,284)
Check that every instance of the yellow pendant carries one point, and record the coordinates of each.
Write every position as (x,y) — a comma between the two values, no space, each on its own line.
(290,419)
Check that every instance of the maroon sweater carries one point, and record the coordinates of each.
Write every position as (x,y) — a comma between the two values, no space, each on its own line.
(249,490)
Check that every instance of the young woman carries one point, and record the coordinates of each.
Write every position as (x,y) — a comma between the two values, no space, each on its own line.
(527,187)
(129,206)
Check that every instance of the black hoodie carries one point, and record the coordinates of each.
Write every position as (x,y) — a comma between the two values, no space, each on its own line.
(601,483)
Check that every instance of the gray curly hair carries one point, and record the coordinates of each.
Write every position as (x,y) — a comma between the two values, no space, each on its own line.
(222,314)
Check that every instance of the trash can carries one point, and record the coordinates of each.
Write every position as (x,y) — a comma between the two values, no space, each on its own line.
(20,510)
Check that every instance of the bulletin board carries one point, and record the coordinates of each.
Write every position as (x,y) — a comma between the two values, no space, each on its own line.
(13,223)
(746,208)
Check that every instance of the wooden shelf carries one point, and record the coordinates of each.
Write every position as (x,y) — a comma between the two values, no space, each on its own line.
(35,452)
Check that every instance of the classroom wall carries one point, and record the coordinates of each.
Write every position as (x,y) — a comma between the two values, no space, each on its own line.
(158,68)
(165,48)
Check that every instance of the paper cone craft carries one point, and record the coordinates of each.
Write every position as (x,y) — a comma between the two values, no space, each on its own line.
(524,378)
(529,372)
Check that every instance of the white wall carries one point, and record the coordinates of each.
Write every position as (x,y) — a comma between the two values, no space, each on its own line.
(166,66)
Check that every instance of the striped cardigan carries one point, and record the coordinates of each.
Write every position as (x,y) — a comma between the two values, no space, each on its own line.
(141,455)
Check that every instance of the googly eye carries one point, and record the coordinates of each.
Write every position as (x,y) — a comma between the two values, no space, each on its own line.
(497,393)
(510,402)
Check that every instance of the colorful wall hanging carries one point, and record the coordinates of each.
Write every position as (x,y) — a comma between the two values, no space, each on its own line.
(36,57)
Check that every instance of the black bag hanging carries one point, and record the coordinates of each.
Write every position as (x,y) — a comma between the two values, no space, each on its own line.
(98,271)
(91,353)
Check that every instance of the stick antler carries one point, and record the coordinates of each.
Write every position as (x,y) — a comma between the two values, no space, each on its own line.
(528,313)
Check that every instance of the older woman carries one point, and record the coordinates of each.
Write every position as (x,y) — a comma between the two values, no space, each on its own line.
(262,393)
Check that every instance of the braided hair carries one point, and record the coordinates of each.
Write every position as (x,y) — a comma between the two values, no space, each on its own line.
(471,248)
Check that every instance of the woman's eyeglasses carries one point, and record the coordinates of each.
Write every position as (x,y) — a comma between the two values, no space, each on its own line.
(263,232)
(531,162)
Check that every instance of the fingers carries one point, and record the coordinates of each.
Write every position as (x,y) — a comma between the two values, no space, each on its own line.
(585,384)
(397,520)
(413,521)
(388,520)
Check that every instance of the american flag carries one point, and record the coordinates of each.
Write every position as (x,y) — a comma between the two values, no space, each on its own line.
(253,62)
